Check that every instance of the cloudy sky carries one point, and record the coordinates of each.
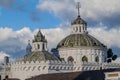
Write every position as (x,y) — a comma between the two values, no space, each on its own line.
(21,19)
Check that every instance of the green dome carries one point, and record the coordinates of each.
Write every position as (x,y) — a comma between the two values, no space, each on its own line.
(76,40)
(39,56)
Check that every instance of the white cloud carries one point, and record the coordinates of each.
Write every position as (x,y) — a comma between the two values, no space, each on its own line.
(14,42)
(61,8)
(5,33)
(109,37)
(55,35)
(24,34)
(93,9)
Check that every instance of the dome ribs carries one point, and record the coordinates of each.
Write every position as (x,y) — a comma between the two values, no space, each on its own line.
(78,40)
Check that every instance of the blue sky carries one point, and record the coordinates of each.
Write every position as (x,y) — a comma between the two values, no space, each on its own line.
(21,19)
(24,13)
(17,14)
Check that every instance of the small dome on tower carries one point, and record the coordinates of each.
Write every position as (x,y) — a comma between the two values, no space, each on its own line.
(79,20)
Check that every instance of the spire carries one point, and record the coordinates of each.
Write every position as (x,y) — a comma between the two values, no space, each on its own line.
(78,6)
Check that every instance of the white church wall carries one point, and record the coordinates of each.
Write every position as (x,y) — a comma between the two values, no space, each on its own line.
(24,70)
(78,53)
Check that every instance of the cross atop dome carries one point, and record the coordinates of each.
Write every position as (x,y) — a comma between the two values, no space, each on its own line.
(79,26)
(78,6)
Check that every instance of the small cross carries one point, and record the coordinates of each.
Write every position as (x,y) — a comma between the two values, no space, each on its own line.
(78,7)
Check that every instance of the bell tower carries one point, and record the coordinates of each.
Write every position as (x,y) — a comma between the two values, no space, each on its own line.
(39,42)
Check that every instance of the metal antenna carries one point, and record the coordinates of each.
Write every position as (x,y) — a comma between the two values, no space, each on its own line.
(78,7)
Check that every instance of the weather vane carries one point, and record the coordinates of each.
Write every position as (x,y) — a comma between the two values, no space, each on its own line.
(78,7)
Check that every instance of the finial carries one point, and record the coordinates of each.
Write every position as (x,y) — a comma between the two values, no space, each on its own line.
(78,7)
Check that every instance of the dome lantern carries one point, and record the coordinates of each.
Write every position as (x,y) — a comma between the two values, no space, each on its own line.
(79,26)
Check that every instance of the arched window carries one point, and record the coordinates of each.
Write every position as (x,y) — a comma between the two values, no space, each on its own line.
(76,29)
(80,29)
(83,28)
(70,59)
(84,59)
(44,67)
(43,46)
(97,59)
(53,67)
(73,29)
(6,77)
(38,46)
(33,68)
